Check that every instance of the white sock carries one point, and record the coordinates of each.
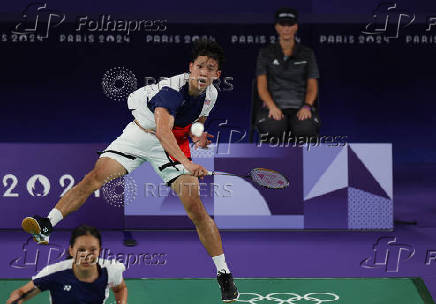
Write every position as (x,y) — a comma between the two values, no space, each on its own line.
(220,263)
(55,216)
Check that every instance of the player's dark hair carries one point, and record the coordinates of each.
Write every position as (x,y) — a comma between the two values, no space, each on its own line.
(209,48)
(84,230)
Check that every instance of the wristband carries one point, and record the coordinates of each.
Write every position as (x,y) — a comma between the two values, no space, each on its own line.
(307,107)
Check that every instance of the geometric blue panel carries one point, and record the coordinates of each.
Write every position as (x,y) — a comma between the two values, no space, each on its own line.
(361,178)
(333,178)
(328,211)
(315,163)
(377,158)
(368,211)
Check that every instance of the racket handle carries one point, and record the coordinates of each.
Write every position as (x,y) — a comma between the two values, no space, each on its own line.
(19,299)
(186,171)
(23,296)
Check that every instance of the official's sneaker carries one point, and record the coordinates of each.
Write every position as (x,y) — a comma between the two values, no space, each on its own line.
(229,292)
(39,227)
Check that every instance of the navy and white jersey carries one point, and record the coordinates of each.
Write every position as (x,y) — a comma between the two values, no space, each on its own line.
(172,94)
(65,288)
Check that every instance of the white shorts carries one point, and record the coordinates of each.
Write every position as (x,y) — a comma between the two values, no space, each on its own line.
(136,146)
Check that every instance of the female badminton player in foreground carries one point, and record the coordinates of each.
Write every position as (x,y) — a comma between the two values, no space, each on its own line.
(163,115)
(81,278)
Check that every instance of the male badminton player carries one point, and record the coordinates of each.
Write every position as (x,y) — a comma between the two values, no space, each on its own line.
(82,278)
(163,115)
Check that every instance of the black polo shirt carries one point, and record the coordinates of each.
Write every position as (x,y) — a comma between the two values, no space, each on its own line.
(287,77)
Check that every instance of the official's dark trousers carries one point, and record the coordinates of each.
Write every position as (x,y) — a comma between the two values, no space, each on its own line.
(288,127)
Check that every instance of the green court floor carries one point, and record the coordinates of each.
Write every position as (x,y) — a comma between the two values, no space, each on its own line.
(265,291)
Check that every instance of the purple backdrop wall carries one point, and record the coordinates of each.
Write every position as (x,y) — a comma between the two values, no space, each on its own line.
(348,187)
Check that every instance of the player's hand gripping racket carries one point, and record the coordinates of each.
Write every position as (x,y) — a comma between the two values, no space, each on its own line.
(23,296)
(264,177)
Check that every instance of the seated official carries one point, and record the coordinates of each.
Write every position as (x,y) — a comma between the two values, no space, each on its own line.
(287,83)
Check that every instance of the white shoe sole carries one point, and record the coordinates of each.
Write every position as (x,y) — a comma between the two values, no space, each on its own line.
(30,225)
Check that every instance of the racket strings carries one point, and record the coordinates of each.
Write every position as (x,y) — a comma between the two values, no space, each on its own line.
(269,178)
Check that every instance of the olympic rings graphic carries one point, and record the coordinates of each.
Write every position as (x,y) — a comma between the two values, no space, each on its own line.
(288,298)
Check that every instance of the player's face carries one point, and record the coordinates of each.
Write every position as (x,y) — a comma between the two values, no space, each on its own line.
(203,71)
(286,31)
(85,251)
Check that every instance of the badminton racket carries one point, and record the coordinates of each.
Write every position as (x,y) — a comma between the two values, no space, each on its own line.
(264,177)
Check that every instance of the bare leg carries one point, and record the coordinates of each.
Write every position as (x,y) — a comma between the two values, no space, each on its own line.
(187,188)
(105,169)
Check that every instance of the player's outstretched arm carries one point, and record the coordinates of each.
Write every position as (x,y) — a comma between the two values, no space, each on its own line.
(164,124)
(120,293)
(29,289)
(202,119)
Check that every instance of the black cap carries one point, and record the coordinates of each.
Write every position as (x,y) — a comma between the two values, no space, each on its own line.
(286,16)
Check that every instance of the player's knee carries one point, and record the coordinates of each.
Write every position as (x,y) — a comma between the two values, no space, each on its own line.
(187,189)
(95,179)
(196,213)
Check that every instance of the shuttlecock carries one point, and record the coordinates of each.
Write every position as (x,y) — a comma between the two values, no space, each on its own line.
(197,129)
